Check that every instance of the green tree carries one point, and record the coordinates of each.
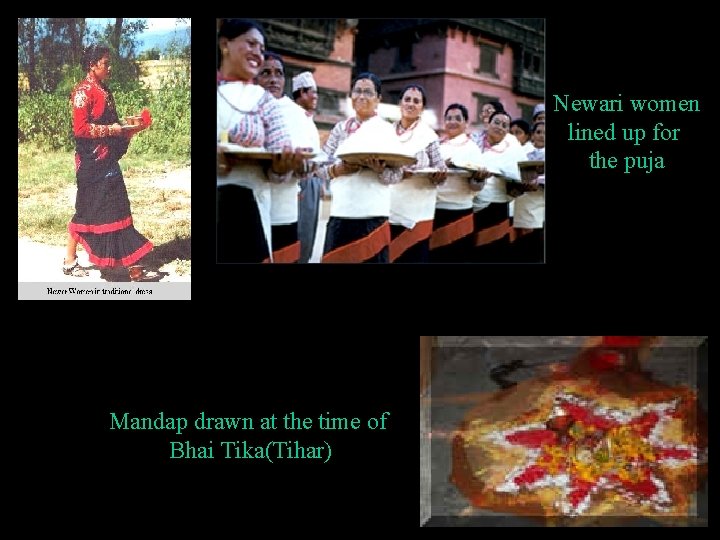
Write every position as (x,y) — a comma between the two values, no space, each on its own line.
(45,46)
(125,72)
(27,59)
(50,49)
(150,54)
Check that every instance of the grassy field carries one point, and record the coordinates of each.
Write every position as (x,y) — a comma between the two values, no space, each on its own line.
(46,199)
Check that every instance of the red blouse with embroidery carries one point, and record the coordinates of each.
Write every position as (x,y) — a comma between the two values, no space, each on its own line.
(94,112)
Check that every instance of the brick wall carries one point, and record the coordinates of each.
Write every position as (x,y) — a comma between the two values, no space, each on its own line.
(333,75)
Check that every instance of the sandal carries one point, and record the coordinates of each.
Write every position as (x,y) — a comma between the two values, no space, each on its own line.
(135,272)
(74,270)
(140,273)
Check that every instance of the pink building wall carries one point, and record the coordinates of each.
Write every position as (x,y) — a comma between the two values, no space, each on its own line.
(463,61)
(446,66)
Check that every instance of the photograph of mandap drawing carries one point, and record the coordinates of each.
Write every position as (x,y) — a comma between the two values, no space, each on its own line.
(563,430)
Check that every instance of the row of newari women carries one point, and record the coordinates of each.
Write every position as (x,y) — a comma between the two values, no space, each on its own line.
(381,211)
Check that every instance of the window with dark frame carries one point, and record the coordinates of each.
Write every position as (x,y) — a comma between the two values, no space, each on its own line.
(329,100)
(403,58)
(291,70)
(488,60)
(533,63)
(313,37)
(526,111)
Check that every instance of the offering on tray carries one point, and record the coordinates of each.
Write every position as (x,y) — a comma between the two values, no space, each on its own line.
(374,139)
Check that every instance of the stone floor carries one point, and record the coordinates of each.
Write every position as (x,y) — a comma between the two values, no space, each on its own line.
(464,365)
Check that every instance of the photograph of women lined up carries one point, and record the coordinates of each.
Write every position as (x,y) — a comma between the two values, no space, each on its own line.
(380,141)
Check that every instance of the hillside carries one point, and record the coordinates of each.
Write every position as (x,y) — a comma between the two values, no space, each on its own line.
(161,38)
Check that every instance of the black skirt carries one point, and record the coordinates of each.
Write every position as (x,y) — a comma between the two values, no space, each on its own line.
(102,222)
(240,234)
(345,232)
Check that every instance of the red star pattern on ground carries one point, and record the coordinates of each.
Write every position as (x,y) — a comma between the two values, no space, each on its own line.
(574,453)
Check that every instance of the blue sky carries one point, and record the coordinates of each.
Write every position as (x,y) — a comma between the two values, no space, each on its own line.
(153,24)
(149,38)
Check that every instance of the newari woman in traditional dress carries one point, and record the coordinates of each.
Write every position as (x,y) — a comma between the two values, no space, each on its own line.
(303,134)
(520,129)
(249,116)
(488,109)
(451,240)
(102,222)
(358,229)
(412,201)
(529,215)
(493,232)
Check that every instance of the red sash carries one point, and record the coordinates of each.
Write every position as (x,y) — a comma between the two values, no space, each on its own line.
(451,232)
(491,234)
(362,249)
(409,237)
(288,254)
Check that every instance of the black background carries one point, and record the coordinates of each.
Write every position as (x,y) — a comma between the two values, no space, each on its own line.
(626,254)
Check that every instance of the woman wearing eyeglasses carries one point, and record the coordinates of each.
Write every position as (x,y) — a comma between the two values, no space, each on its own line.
(487,110)
(412,201)
(451,240)
(493,231)
(358,230)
